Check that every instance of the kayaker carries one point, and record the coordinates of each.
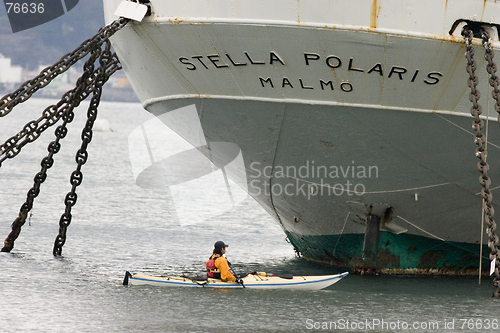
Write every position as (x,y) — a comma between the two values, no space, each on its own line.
(217,265)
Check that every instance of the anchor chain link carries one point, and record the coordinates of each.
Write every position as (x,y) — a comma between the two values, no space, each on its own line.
(491,68)
(91,80)
(82,154)
(52,114)
(480,138)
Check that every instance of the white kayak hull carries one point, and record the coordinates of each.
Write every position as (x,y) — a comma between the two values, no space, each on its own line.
(250,281)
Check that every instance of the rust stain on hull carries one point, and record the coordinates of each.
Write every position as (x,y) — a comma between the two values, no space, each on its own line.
(484,8)
(374,14)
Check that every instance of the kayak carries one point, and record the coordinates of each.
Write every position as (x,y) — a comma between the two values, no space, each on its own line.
(253,281)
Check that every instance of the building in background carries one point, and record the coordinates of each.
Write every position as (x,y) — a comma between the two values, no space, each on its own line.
(9,75)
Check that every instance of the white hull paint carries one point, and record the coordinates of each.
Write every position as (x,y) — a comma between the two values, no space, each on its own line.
(376,86)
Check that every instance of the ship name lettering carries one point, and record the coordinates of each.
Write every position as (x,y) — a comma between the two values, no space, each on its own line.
(268,80)
(377,68)
(186,61)
(432,76)
(352,68)
(217,61)
(254,62)
(334,62)
(226,60)
(214,58)
(333,65)
(235,63)
(304,87)
(323,84)
(199,59)
(274,57)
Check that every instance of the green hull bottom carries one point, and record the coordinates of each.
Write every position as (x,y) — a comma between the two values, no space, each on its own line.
(397,254)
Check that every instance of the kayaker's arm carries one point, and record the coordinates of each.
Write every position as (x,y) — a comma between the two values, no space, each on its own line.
(225,274)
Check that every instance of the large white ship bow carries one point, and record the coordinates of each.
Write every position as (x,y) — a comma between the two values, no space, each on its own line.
(352,117)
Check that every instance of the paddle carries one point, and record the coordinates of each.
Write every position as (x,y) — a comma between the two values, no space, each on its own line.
(127,276)
(236,275)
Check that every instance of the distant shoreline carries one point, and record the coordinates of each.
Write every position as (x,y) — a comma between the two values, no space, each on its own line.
(109,94)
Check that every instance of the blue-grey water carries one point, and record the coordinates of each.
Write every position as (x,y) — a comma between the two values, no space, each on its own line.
(119,226)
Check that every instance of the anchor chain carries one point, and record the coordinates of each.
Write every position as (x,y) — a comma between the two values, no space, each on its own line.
(82,154)
(480,139)
(91,80)
(52,114)
(491,68)
(53,148)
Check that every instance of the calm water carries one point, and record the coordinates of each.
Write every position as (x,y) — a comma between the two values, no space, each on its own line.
(118,226)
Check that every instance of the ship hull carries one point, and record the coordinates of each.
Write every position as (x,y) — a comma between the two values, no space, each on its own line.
(335,124)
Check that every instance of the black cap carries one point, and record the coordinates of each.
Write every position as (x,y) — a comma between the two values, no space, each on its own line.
(220,245)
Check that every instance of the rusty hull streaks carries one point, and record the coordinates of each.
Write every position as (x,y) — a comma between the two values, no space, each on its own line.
(374,14)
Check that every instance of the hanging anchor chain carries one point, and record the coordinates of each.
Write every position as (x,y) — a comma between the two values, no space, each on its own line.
(480,140)
(90,81)
(82,154)
(48,161)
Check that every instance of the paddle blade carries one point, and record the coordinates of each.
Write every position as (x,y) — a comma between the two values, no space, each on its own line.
(127,276)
